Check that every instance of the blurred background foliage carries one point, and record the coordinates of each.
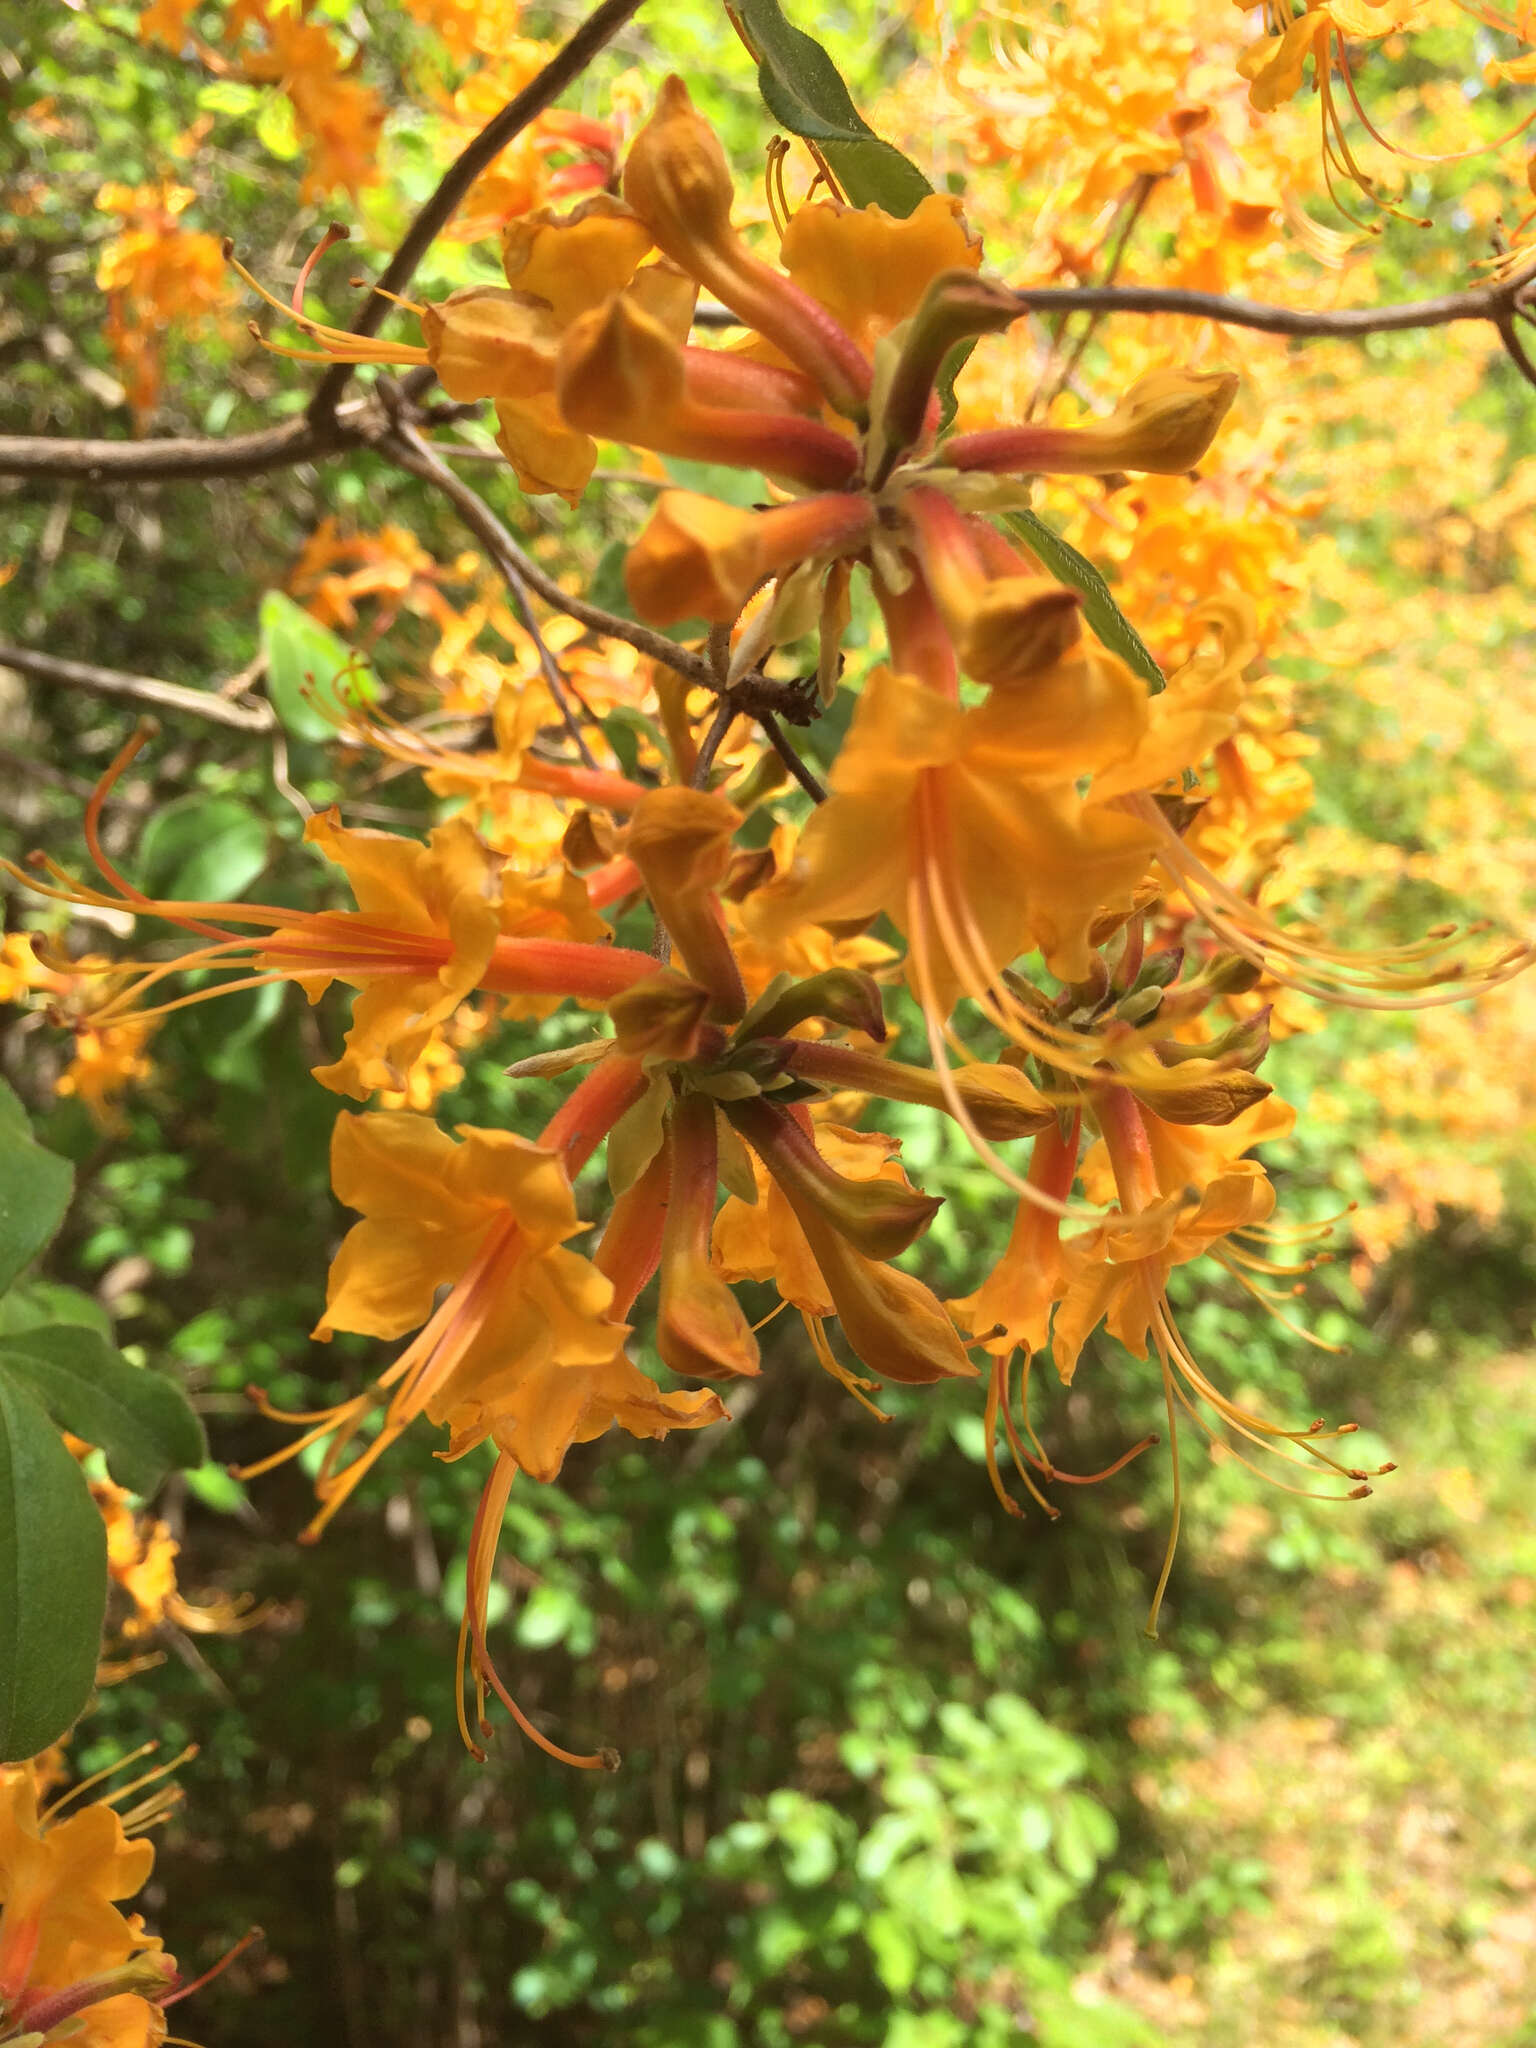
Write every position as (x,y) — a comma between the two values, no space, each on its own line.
(896,1769)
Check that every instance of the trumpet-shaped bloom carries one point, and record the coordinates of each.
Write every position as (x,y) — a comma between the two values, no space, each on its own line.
(970,822)
(1186,1192)
(521,1348)
(69,1959)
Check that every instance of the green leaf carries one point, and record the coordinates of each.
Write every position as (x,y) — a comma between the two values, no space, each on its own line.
(637,1137)
(53,1581)
(213,1486)
(140,1419)
(35,1186)
(310,672)
(276,128)
(1099,607)
(802,88)
(203,849)
(38,1302)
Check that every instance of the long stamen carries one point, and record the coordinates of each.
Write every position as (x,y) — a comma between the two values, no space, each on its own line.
(917,934)
(1177,1516)
(850,1382)
(1325,970)
(493,1502)
(50,1813)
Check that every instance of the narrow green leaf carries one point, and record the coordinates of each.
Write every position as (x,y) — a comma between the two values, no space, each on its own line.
(53,1581)
(141,1420)
(312,676)
(803,89)
(203,849)
(35,1187)
(1099,607)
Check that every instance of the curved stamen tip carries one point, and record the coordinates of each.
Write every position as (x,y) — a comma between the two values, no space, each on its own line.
(611,1760)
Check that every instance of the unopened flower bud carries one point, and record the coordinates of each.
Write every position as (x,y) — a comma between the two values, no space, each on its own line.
(1163,426)
(677,178)
(894,1325)
(879,1218)
(1245,1045)
(1167,420)
(699,558)
(700,1329)
(1233,976)
(1205,1093)
(1001,1102)
(680,840)
(841,995)
(957,306)
(678,181)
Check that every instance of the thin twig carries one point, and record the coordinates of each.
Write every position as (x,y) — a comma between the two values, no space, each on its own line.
(554,676)
(778,739)
(1135,207)
(724,718)
(563,69)
(112,682)
(483,523)
(1483,302)
(1515,347)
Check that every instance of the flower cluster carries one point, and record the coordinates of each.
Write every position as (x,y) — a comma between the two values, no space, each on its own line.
(1044,866)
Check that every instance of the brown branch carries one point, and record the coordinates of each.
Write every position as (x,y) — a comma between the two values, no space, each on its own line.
(181,459)
(555,678)
(725,717)
(415,457)
(780,741)
(563,69)
(1514,347)
(1495,302)
(113,682)
(305,440)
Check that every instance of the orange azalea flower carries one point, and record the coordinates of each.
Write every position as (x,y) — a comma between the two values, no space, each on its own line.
(157,275)
(391,566)
(433,923)
(966,827)
(339,117)
(71,1964)
(1183,1191)
(141,1560)
(773,1240)
(522,1348)
(108,1057)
